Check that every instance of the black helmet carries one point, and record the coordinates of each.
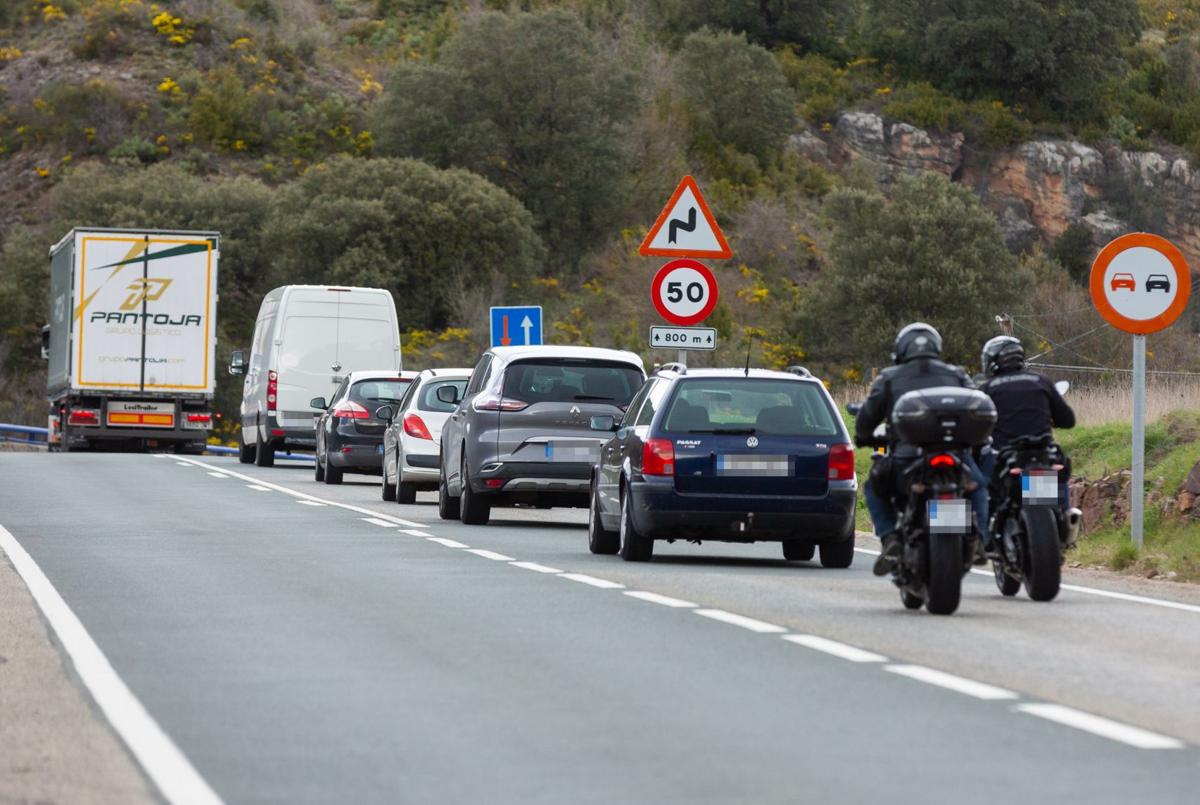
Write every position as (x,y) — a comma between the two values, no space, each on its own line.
(917,340)
(1002,354)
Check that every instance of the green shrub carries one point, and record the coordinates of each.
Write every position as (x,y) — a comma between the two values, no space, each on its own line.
(134,149)
(927,107)
(1074,250)
(226,115)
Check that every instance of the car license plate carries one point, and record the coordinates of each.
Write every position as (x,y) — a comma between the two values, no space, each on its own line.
(949,516)
(571,452)
(753,464)
(1039,487)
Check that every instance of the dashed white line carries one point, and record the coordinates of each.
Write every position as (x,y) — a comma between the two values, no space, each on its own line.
(218,475)
(958,684)
(414,532)
(182,464)
(534,566)
(449,543)
(603,584)
(309,503)
(762,627)
(665,600)
(495,557)
(1105,728)
(170,770)
(378,522)
(257,488)
(842,650)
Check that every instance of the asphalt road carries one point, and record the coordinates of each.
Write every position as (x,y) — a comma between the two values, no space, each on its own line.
(299,651)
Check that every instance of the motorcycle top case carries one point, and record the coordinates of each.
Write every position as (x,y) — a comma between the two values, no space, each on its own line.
(944,416)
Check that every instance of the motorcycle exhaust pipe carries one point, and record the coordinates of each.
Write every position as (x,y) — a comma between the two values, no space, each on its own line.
(1074,521)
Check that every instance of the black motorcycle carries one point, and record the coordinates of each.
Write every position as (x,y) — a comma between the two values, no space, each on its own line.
(1029,529)
(936,524)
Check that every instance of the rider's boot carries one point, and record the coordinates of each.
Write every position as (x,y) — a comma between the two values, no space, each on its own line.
(889,556)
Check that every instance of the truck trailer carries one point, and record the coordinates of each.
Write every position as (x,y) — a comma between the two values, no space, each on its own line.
(132,338)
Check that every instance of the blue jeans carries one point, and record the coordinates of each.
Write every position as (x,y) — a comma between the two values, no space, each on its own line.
(883,513)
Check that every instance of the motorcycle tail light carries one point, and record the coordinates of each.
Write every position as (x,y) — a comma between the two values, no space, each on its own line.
(943,460)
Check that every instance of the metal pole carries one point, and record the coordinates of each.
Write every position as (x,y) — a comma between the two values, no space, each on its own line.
(1137,483)
(683,356)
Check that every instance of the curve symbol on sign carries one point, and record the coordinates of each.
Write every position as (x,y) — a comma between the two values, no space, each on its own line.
(676,225)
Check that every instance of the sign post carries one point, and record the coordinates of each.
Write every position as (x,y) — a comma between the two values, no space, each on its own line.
(1140,284)
(687,229)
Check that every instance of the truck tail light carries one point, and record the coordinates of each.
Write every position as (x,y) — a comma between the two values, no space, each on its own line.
(415,427)
(494,402)
(351,410)
(658,457)
(197,419)
(202,419)
(272,389)
(841,463)
(88,417)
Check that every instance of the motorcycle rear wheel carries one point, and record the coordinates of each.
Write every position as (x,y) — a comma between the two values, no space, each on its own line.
(945,574)
(1043,553)
(1007,585)
(911,600)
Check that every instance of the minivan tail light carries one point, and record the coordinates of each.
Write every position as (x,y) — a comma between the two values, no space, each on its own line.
(351,410)
(84,416)
(841,463)
(658,457)
(414,426)
(272,389)
(494,402)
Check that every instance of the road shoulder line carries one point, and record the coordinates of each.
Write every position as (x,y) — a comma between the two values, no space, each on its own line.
(958,684)
(1103,727)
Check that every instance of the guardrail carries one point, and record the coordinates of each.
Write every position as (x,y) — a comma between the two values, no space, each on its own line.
(30,435)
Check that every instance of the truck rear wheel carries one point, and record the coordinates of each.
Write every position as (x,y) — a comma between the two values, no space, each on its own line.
(246,452)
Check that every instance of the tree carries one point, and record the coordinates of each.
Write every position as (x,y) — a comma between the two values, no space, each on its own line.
(1051,56)
(735,95)
(932,254)
(404,225)
(811,24)
(532,102)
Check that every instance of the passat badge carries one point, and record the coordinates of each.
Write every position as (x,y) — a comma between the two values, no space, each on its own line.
(752,441)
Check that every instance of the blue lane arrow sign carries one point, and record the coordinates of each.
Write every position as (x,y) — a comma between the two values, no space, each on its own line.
(516,326)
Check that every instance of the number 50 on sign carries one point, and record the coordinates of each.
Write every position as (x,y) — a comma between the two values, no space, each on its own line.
(684,292)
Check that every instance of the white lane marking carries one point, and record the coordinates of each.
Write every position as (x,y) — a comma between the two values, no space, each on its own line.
(496,557)
(762,627)
(534,566)
(378,522)
(257,488)
(603,584)
(182,464)
(1105,728)
(306,496)
(175,777)
(449,543)
(665,600)
(1075,588)
(846,652)
(958,684)
(218,475)
(414,532)
(310,503)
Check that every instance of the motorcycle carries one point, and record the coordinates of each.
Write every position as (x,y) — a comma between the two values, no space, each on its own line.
(936,524)
(1030,531)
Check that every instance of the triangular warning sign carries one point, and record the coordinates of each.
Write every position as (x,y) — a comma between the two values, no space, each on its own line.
(686,227)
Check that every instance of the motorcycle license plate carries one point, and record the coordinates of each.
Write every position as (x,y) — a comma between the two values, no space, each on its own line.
(1039,487)
(949,516)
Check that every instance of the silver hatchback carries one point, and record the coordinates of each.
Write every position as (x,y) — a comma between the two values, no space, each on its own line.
(522,432)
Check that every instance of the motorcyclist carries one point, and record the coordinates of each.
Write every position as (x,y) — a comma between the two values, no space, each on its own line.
(1027,403)
(917,355)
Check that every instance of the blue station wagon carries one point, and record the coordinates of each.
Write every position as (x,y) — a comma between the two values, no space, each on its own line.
(726,454)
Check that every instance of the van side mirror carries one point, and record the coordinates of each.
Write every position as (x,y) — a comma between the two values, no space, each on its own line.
(448,395)
(318,402)
(46,342)
(237,362)
(603,422)
(385,412)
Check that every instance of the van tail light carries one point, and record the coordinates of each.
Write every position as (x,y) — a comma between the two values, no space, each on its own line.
(84,416)
(415,427)
(658,457)
(841,463)
(943,460)
(494,402)
(272,389)
(351,410)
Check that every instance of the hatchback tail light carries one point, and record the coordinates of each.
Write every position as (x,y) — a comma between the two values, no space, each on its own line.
(414,426)
(349,409)
(841,463)
(658,457)
(272,389)
(494,402)
(84,416)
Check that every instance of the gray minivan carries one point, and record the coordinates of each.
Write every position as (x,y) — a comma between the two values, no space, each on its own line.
(522,434)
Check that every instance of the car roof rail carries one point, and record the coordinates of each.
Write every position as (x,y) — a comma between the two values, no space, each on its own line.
(673,366)
(800,371)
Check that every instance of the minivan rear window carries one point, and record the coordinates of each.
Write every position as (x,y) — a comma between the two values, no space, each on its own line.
(572,381)
(750,405)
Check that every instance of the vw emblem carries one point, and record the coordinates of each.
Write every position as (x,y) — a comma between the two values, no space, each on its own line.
(752,441)
(336,366)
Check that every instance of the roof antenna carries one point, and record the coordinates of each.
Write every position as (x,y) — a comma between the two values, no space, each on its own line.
(749,344)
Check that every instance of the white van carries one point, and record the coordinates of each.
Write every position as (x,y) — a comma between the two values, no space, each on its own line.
(307,339)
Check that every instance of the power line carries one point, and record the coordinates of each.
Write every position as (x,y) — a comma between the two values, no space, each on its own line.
(1103,369)
(1060,346)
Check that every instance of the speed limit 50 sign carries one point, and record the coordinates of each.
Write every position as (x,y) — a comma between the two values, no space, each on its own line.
(684,292)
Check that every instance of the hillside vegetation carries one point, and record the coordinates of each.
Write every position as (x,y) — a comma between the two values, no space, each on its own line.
(465,153)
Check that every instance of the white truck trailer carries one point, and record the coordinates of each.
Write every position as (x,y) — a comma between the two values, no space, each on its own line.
(131,343)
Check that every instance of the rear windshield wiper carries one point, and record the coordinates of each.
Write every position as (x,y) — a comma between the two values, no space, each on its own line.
(726,431)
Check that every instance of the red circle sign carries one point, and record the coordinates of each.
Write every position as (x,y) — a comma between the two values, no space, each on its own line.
(1140,283)
(684,292)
